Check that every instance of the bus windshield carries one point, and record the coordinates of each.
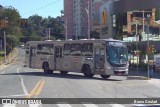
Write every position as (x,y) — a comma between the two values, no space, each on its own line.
(117,55)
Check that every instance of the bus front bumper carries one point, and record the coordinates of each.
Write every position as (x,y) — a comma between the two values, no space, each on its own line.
(120,71)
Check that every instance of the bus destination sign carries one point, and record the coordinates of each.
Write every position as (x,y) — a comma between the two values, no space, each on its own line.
(116,43)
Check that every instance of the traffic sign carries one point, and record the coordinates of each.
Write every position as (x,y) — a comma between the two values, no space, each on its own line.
(24,22)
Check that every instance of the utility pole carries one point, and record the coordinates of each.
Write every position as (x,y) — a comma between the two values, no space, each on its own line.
(49,35)
(137,44)
(148,19)
(4,47)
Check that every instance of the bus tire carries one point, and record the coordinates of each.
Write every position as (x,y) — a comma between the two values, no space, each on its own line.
(46,68)
(105,76)
(63,72)
(87,71)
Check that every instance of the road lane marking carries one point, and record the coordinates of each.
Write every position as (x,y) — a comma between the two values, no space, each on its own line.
(140,105)
(35,105)
(28,71)
(34,89)
(20,95)
(2,72)
(117,105)
(37,89)
(35,92)
(22,82)
(40,88)
(9,105)
(64,105)
(90,105)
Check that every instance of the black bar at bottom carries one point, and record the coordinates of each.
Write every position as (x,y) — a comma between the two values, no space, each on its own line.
(84,100)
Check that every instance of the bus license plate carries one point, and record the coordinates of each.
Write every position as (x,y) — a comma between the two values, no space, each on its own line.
(119,73)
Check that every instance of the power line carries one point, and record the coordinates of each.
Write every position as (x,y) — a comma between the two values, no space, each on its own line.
(42,7)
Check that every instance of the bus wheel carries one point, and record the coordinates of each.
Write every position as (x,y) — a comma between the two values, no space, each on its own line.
(46,68)
(105,76)
(87,71)
(63,72)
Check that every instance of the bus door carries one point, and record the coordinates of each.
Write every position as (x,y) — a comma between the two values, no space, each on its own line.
(99,59)
(58,57)
(32,60)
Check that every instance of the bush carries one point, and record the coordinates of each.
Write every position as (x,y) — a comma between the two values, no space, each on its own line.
(1,53)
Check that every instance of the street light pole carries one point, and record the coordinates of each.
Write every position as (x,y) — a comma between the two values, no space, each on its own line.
(65,25)
(88,13)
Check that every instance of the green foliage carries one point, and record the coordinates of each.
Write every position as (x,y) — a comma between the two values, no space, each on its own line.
(11,25)
(157,14)
(118,37)
(37,27)
(12,19)
(1,53)
(1,58)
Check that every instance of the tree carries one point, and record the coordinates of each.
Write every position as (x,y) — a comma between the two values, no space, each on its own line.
(157,14)
(10,18)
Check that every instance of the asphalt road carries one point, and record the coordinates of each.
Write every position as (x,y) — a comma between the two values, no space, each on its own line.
(17,81)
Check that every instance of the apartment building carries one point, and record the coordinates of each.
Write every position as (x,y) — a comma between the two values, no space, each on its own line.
(76,17)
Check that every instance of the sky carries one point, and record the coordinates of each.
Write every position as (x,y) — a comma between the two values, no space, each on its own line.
(42,8)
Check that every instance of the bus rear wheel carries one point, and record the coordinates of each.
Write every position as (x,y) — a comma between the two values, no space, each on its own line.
(46,68)
(105,76)
(87,71)
(63,72)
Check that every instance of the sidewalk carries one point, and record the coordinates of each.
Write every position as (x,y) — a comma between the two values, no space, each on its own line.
(143,74)
(11,57)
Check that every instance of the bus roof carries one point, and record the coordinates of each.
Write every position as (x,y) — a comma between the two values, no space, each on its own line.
(77,41)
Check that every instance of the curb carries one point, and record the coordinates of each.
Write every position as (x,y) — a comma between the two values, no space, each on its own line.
(138,78)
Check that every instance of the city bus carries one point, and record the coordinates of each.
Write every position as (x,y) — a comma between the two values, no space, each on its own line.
(104,57)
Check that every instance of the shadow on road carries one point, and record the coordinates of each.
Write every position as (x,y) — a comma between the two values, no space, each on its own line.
(58,75)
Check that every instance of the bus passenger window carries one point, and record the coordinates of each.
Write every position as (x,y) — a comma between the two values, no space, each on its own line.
(58,52)
(76,49)
(87,49)
(51,49)
(39,48)
(66,49)
(27,49)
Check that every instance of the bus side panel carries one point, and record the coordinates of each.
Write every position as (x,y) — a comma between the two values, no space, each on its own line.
(89,60)
(40,59)
(67,64)
(72,63)
(108,69)
(77,63)
(26,60)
